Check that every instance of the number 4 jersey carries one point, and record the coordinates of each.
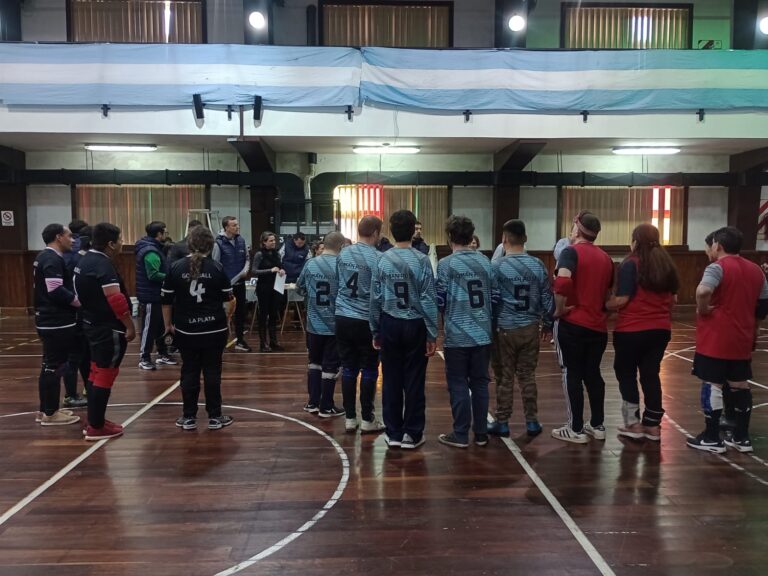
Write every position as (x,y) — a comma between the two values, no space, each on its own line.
(464,295)
(198,304)
(525,296)
(356,265)
(319,283)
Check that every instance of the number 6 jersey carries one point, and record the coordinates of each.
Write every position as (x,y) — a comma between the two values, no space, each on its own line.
(198,304)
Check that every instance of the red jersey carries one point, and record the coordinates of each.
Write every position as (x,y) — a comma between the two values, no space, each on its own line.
(646,310)
(592,274)
(728,332)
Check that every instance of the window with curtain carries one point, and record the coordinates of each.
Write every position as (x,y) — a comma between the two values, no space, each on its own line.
(131,208)
(406,25)
(621,209)
(151,21)
(653,26)
(429,203)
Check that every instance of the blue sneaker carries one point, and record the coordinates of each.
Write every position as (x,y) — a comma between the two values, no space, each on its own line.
(533,428)
(497,428)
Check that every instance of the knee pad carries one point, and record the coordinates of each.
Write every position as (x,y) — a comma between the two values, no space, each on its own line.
(311,367)
(711,397)
(742,399)
(103,377)
(370,374)
(349,373)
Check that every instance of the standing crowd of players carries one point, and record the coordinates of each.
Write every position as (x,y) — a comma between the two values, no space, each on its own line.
(366,307)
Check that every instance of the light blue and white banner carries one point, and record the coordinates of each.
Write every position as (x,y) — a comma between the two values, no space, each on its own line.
(565,81)
(168,75)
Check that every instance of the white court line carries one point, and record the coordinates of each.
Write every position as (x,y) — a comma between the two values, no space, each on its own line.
(668,354)
(11,512)
(569,522)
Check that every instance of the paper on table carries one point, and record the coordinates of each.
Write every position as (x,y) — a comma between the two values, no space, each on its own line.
(279,284)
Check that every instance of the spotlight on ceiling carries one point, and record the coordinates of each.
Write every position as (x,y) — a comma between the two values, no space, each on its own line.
(120,147)
(386,149)
(645,150)
(516,23)
(257,20)
(764,25)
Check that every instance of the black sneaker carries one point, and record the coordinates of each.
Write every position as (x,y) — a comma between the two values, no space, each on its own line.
(186,422)
(147,365)
(311,408)
(166,360)
(276,347)
(219,422)
(452,440)
(701,443)
(481,439)
(408,443)
(331,412)
(740,445)
(242,345)
(75,401)
(264,348)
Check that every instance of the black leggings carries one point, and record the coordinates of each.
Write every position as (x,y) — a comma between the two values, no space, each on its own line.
(269,304)
(641,351)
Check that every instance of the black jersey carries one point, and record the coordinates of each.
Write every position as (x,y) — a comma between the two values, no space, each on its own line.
(54,293)
(198,305)
(93,273)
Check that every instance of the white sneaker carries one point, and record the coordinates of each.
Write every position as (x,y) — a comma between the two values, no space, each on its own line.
(598,432)
(565,434)
(350,424)
(374,425)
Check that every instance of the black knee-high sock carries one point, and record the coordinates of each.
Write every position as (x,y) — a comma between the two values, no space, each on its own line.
(349,391)
(98,398)
(328,385)
(729,408)
(742,404)
(712,422)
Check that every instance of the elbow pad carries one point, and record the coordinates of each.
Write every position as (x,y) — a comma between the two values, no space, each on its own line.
(563,286)
(119,304)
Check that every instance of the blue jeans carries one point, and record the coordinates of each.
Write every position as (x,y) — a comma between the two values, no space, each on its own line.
(466,369)
(404,370)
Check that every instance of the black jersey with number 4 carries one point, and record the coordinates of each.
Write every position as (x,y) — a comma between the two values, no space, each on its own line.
(198,304)
(93,273)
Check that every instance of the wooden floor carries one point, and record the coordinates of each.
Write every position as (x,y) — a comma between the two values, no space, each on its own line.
(282,492)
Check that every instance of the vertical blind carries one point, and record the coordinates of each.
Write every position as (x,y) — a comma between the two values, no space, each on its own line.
(429,203)
(626,27)
(131,208)
(621,209)
(404,26)
(152,21)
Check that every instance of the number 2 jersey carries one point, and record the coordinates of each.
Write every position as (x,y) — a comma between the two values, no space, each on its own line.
(404,288)
(464,295)
(319,282)
(356,265)
(198,304)
(525,296)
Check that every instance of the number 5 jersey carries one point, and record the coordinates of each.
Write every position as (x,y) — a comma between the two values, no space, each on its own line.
(525,296)
(198,304)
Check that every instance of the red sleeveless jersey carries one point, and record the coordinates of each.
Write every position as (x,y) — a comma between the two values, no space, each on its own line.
(728,332)
(646,310)
(592,278)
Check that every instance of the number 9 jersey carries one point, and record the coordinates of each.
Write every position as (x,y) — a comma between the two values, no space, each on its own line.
(464,296)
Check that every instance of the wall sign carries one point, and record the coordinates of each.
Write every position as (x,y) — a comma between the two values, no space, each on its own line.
(7,218)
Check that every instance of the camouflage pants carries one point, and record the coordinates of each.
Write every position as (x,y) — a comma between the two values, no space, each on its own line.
(515,354)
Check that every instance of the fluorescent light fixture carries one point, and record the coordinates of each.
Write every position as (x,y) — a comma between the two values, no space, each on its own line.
(385,149)
(645,150)
(764,25)
(257,20)
(121,147)
(516,23)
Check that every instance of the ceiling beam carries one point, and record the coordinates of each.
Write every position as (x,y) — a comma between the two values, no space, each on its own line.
(256,154)
(756,159)
(517,155)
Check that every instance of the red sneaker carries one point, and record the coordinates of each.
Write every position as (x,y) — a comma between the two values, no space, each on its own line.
(114,425)
(93,434)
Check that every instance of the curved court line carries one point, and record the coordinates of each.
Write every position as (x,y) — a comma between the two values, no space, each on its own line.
(264,553)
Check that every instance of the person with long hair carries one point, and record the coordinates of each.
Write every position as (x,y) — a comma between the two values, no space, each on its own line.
(266,265)
(646,292)
(197,303)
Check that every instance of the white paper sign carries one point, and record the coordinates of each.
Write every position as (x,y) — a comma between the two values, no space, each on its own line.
(7,217)
(279,284)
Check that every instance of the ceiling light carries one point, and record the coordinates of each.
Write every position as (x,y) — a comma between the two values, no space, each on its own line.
(257,20)
(386,149)
(516,23)
(764,25)
(121,147)
(645,150)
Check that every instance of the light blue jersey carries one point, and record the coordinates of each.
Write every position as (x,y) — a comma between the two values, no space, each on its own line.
(318,282)
(524,293)
(404,288)
(464,296)
(356,265)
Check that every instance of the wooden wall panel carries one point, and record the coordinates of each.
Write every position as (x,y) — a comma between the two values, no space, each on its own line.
(16,284)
